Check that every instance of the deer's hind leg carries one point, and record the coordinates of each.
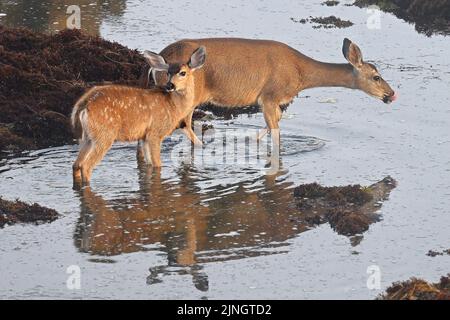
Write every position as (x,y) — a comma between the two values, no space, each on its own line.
(91,153)
(86,148)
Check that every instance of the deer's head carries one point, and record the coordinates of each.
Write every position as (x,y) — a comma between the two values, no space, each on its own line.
(366,76)
(180,76)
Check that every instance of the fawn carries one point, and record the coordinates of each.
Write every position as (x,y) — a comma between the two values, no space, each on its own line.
(109,113)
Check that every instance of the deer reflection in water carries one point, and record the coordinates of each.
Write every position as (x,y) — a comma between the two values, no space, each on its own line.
(194,226)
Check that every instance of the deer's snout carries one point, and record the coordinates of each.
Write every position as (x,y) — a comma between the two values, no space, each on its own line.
(169,87)
(390,97)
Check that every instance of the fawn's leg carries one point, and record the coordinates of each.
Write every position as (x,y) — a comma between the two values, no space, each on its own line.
(140,157)
(94,156)
(86,148)
(189,132)
(155,150)
(146,152)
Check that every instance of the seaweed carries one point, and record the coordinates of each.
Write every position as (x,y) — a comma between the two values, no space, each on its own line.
(325,22)
(349,210)
(12,212)
(418,289)
(330,3)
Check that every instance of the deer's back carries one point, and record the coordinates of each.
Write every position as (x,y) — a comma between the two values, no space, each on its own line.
(125,112)
(118,99)
(238,71)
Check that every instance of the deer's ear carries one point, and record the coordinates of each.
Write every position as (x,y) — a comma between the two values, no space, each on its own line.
(352,53)
(198,58)
(156,61)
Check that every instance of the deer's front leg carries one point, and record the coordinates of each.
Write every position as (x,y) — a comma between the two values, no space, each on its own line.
(189,132)
(272,115)
(262,133)
(140,153)
(155,150)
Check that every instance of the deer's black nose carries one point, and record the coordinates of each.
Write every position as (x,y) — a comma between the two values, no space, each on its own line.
(169,87)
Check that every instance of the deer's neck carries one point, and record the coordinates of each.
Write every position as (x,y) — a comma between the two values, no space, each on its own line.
(183,102)
(321,74)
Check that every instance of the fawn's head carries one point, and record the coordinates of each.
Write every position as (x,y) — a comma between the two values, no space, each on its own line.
(367,77)
(179,75)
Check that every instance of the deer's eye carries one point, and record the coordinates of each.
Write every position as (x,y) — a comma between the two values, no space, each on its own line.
(182,73)
(377,78)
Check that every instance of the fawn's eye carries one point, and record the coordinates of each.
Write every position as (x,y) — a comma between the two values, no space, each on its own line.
(182,73)
(377,78)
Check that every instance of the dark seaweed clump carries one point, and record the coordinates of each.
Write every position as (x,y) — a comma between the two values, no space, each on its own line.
(429,16)
(339,205)
(12,212)
(325,22)
(418,289)
(433,253)
(41,77)
(348,209)
(330,3)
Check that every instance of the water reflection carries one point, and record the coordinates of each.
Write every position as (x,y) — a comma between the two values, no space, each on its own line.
(51,16)
(192,226)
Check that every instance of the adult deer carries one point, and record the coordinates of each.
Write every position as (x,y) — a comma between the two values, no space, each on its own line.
(105,114)
(242,72)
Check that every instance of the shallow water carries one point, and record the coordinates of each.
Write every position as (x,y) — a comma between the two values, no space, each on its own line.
(226,230)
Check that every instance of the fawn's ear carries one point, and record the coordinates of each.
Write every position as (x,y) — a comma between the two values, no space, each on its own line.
(198,58)
(156,61)
(352,53)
